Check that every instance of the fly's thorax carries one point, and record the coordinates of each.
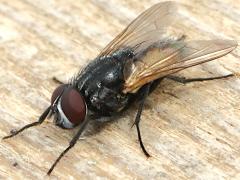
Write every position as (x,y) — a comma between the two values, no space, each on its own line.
(102,81)
(103,67)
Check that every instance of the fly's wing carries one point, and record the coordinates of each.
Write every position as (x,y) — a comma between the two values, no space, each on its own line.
(159,48)
(159,61)
(149,27)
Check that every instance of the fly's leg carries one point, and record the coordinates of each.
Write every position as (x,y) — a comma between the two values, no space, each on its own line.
(71,144)
(56,80)
(138,117)
(48,111)
(183,80)
(40,120)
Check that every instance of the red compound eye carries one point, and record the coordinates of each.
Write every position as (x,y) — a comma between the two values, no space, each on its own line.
(57,92)
(73,105)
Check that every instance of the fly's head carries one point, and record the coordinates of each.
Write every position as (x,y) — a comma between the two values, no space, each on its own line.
(68,106)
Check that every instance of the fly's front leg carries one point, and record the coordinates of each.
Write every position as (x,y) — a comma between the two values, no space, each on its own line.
(183,80)
(71,144)
(40,121)
(145,92)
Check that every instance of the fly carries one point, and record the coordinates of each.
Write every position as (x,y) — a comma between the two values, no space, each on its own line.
(128,69)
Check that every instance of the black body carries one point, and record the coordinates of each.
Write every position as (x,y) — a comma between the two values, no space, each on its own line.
(101,84)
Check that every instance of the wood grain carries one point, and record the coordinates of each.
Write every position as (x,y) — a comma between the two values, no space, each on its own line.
(192,131)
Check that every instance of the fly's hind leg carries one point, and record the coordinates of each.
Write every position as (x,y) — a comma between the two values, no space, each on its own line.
(183,80)
(145,92)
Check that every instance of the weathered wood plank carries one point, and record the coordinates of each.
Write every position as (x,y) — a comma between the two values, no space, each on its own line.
(192,131)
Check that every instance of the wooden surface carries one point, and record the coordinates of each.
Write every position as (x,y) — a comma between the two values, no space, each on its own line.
(192,131)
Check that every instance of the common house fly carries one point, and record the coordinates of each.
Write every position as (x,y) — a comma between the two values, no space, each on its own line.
(128,69)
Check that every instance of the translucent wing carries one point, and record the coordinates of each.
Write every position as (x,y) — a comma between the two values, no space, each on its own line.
(161,60)
(149,27)
(158,47)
